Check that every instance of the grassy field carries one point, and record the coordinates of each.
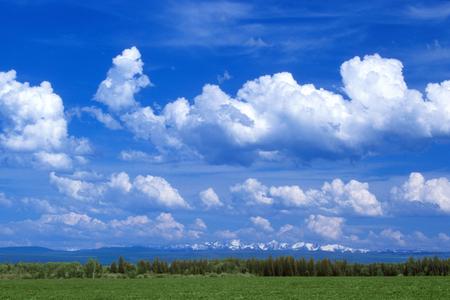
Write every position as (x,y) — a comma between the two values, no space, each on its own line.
(230,287)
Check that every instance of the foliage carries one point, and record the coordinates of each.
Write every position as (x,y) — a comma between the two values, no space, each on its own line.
(280,266)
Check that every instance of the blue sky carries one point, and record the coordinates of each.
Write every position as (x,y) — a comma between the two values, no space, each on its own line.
(191,121)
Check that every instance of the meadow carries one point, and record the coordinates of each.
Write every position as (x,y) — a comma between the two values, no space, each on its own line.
(230,287)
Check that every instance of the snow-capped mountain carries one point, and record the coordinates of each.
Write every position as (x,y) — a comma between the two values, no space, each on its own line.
(236,245)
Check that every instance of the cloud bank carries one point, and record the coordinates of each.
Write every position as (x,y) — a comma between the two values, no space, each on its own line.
(275,117)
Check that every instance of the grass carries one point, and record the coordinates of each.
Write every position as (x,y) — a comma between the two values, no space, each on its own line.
(230,287)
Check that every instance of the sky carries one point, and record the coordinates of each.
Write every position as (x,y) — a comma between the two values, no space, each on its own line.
(170,122)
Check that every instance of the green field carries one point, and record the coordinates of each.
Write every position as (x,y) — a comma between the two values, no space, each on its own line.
(230,287)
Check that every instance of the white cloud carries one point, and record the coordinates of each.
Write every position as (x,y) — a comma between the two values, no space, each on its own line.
(276,114)
(416,189)
(5,201)
(252,192)
(76,189)
(444,237)
(139,156)
(262,223)
(210,199)
(72,219)
(285,229)
(393,235)
(327,227)
(33,121)
(222,78)
(73,228)
(33,116)
(153,189)
(124,79)
(336,196)
(290,195)
(168,228)
(159,190)
(226,234)
(120,181)
(130,221)
(199,224)
(104,118)
(58,161)
(354,195)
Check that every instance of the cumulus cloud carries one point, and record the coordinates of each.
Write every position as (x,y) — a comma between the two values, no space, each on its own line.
(290,195)
(262,223)
(104,118)
(33,121)
(327,227)
(152,189)
(76,189)
(124,80)
(5,201)
(139,156)
(276,114)
(210,199)
(120,181)
(54,160)
(393,235)
(75,228)
(168,228)
(336,196)
(353,195)
(252,192)
(199,224)
(159,190)
(434,192)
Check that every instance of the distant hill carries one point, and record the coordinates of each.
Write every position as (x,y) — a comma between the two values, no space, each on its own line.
(210,250)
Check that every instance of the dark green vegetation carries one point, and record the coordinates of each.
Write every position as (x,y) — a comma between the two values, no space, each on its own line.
(230,287)
(281,266)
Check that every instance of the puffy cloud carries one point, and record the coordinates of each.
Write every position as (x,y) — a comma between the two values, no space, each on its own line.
(354,195)
(210,199)
(76,189)
(120,181)
(54,160)
(327,227)
(139,156)
(130,221)
(416,189)
(33,121)
(168,228)
(72,219)
(444,237)
(276,114)
(153,189)
(393,235)
(285,229)
(290,195)
(262,223)
(159,190)
(104,118)
(79,229)
(252,192)
(33,117)
(124,79)
(5,201)
(336,196)
(199,224)
(226,234)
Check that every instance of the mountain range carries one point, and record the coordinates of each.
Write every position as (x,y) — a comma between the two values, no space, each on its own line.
(212,250)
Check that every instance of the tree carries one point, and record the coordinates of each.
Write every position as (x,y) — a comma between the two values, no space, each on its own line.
(122,266)
(113,267)
(92,268)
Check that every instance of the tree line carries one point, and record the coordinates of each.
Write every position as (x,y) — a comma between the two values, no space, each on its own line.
(280,266)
